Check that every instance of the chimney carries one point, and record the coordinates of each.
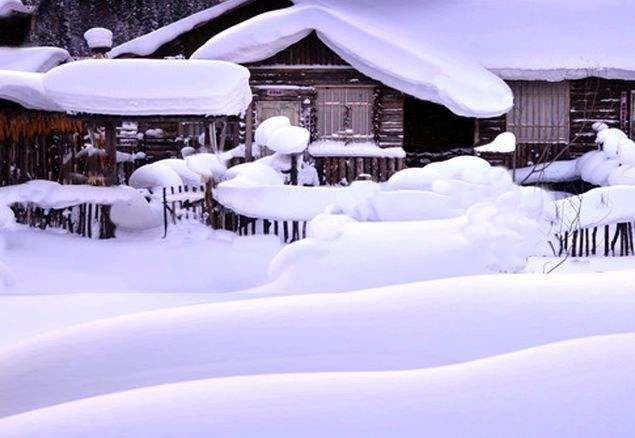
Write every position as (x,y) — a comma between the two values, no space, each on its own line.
(99,41)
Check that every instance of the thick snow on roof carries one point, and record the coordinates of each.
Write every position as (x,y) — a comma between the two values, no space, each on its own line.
(7,7)
(150,87)
(146,44)
(517,39)
(32,59)
(25,89)
(428,72)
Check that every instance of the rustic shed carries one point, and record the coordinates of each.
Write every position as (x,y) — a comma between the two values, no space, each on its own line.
(109,94)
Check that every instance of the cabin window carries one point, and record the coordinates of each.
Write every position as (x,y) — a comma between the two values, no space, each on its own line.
(540,113)
(345,112)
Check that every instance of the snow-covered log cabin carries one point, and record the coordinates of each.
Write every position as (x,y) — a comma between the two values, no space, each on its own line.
(323,66)
(34,133)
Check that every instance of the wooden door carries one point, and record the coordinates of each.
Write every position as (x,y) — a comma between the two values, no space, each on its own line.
(271,108)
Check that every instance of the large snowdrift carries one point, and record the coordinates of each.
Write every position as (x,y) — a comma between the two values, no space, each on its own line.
(427,71)
(400,327)
(582,387)
(150,87)
(32,59)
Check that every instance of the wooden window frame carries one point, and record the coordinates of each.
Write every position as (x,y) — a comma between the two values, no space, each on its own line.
(540,116)
(367,118)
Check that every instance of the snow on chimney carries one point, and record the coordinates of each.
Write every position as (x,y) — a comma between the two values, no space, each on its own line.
(99,41)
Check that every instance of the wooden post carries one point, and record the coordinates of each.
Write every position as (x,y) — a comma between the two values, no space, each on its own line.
(110,168)
(294,169)
(249,133)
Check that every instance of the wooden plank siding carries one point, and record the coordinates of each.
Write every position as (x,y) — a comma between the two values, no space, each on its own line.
(310,64)
(590,100)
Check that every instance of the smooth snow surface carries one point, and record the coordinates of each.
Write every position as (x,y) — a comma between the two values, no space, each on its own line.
(411,326)
(427,71)
(32,59)
(576,388)
(26,89)
(150,87)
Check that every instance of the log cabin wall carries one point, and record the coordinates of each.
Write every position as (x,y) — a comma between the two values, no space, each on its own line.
(590,100)
(297,72)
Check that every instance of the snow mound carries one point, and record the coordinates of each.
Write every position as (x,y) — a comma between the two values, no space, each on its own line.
(289,140)
(267,127)
(427,71)
(150,87)
(399,327)
(32,59)
(504,143)
(206,165)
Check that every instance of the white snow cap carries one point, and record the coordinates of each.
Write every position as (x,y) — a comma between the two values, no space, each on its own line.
(32,59)
(504,143)
(98,38)
(25,89)
(267,127)
(8,7)
(427,71)
(289,140)
(150,87)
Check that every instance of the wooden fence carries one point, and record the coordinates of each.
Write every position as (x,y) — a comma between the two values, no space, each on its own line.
(334,170)
(183,203)
(87,220)
(607,240)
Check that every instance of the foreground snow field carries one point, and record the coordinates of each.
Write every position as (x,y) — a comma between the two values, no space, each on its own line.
(576,388)
(401,327)
(192,259)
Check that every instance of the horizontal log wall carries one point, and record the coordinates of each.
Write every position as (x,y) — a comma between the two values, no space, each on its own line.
(592,100)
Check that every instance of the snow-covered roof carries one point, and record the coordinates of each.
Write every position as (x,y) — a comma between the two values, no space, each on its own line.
(516,39)
(428,72)
(147,44)
(32,59)
(150,87)
(7,7)
(26,89)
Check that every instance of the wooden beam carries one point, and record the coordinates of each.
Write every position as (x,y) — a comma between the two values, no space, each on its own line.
(249,133)
(110,167)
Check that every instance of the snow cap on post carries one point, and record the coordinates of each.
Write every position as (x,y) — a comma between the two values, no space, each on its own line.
(268,127)
(99,41)
(289,140)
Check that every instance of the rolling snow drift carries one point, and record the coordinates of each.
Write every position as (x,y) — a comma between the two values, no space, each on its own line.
(399,327)
(577,388)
